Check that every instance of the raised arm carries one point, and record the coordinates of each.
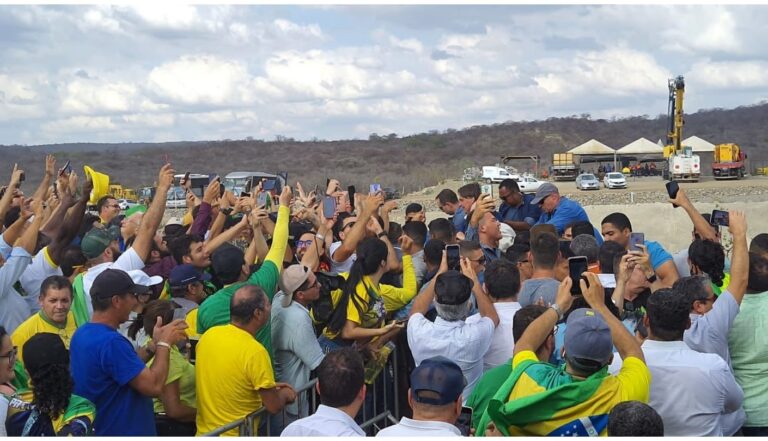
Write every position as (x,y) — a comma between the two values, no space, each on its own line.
(424,299)
(230,234)
(625,342)
(142,245)
(28,239)
(42,189)
(740,262)
(151,380)
(538,331)
(280,237)
(484,304)
(700,225)
(5,202)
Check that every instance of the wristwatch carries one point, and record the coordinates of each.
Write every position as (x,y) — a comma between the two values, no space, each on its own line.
(652,278)
(380,235)
(558,311)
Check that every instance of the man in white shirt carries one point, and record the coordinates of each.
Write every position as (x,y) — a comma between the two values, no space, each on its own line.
(692,391)
(435,397)
(341,385)
(295,349)
(450,335)
(502,282)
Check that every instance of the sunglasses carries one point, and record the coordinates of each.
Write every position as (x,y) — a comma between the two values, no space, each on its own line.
(481,260)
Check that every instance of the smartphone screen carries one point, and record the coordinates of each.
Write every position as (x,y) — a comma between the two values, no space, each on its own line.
(261,200)
(178,313)
(329,207)
(719,217)
(576,267)
(67,169)
(487,189)
(464,422)
(375,188)
(212,177)
(452,257)
(635,239)
(351,192)
(185,179)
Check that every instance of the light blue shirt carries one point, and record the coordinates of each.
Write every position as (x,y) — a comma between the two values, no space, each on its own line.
(14,308)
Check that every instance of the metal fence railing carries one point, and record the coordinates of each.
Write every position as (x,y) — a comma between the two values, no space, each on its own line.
(381,407)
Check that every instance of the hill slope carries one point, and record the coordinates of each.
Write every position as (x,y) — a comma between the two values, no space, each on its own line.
(409,163)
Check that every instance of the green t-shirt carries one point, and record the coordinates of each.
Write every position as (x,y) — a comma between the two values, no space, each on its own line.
(484,390)
(215,310)
(183,371)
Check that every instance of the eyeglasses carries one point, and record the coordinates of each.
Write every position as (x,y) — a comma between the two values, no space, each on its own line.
(303,243)
(480,260)
(11,355)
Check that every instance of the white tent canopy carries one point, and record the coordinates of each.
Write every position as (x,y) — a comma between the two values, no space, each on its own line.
(592,147)
(641,146)
(698,144)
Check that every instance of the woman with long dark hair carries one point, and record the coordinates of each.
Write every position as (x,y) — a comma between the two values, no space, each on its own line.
(360,307)
(176,408)
(48,407)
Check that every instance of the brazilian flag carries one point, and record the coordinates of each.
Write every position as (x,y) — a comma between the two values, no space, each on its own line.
(539,399)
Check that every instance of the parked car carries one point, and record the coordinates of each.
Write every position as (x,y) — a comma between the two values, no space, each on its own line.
(390,193)
(587,181)
(614,180)
(126,204)
(528,184)
(495,174)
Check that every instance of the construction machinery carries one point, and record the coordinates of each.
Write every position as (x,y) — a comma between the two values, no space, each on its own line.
(563,167)
(728,162)
(682,164)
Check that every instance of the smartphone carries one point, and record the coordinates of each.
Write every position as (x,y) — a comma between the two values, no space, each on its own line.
(261,199)
(185,179)
(192,352)
(635,239)
(221,190)
(375,188)
(329,207)
(672,189)
(576,267)
(351,193)
(22,177)
(487,189)
(244,194)
(719,217)
(464,422)
(67,169)
(212,177)
(452,257)
(269,184)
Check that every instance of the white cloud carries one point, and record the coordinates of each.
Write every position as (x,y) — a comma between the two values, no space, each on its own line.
(101,18)
(90,96)
(79,124)
(730,74)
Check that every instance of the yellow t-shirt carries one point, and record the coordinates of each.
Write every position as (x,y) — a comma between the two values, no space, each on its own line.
(231,368)
(191,320)
(391,298)
(39,323)
(183,371)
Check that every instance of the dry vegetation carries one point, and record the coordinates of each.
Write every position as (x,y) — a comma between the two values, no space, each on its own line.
(408,163)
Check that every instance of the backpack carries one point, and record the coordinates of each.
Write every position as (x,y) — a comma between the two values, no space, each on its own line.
(322,308)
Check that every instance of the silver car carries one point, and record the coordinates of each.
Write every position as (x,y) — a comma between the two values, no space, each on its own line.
(587,181)
(614,180)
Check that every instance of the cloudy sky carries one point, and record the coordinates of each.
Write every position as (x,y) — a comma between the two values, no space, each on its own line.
(152,72)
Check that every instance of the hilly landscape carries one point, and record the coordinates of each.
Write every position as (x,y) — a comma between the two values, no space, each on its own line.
(408,163)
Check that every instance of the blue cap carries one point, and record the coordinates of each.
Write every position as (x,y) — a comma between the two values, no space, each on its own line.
(182,275)
(440,378)
(588,337)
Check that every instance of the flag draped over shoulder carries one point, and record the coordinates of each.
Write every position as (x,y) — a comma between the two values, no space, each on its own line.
(541,399)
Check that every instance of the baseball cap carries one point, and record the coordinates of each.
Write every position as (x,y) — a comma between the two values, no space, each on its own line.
(440,376)
(97,240)
(174,221)
(44,349)
(182,275)
(139,277)
(114,282)
(227,260)
(588,337)
(291,279)
(452,288)
(545,190)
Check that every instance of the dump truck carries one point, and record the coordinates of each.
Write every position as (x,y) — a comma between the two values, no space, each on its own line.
(728,162)
(563,167)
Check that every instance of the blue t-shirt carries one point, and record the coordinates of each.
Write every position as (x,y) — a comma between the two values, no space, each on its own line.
(103,362)
(567,212)
(459,220)
(526,212)
(657,254)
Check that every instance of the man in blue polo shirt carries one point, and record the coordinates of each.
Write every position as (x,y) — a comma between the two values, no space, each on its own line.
(516,209)
(616,227)
(558,210)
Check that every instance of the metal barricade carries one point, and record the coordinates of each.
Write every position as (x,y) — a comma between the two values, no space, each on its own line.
(381,414)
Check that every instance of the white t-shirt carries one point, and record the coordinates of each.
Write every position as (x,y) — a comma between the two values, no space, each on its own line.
(341,267)
(3,414)
(413,428)
(503,343)
(37,271)
(127,261)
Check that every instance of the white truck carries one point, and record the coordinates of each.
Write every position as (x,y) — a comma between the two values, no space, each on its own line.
(496,174)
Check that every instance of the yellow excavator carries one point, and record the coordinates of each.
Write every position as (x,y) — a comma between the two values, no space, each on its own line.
(682,164)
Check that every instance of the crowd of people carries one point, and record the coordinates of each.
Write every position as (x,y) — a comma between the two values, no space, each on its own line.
(136,323)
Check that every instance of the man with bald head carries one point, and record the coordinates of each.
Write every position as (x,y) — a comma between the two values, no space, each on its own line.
(234,374)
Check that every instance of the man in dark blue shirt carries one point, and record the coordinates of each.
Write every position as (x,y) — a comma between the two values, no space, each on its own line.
(516,209)
(105,367)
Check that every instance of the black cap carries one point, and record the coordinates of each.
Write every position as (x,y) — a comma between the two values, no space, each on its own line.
(227,260)
(44,349)
(452,288)
(115,282)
